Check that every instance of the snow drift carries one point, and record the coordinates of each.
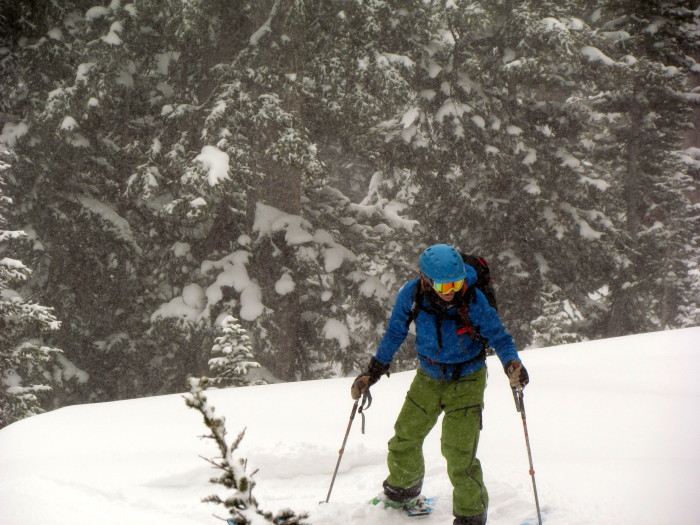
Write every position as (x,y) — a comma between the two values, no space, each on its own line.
(614,427)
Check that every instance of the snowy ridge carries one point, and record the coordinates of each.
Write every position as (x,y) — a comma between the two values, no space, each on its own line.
(614,428)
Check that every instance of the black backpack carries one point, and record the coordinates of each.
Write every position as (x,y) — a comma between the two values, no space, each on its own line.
(462,301)
(483,277)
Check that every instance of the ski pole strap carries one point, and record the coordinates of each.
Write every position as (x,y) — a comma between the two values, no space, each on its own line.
(366,403)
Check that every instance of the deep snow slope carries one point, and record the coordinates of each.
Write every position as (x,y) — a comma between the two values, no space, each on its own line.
(614,427)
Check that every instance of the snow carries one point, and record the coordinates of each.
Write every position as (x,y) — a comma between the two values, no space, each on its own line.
(334,329)
(233,272)
(178,308)
(269,219)
(433,68)
(126,79)
(215,162)
(567,159)
(452,108)
(654,26)
(334,256)
(552,24)
(12,263)
(83,70)
(198,202)
(112,38)
(613,424)
(409,117)
(193,296)
(585,229)
(479,121)
(68,123)
(594,54)
(372,286)
(531,157)
(401,60)
(532,187)
(599,184)
(617,36)
(120,226)
(266,27)
(194,303)
(163,60)
(251,302)
(55,34)
(96,12)
(285,284)
(11,132)
(65,372)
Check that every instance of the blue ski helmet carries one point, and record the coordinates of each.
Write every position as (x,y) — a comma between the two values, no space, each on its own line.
(442,263)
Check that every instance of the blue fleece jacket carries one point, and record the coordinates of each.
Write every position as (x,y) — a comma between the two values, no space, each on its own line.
(456,348)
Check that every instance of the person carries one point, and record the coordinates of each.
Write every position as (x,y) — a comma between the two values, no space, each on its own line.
(451,378)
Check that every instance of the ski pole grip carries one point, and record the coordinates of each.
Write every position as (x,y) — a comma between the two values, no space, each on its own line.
(517,398)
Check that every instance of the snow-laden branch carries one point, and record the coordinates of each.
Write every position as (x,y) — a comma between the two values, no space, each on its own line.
(241,505)
(266,27)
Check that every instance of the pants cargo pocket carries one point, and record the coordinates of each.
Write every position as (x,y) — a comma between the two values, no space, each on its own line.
(460,439)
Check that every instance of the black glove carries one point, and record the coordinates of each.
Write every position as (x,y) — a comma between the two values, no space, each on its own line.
(517,375)
(375,370)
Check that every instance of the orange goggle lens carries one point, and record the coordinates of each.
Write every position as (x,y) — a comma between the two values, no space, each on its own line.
(446,288)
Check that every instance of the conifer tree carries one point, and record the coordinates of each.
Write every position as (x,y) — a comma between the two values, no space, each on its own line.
(240,503)
(67,185)
(642,111)
(293,256)
(27,365)
(492,155)
(488,155)
(192,161)
(233,356)
(154,161)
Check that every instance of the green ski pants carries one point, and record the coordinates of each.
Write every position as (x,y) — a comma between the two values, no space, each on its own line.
(462,401)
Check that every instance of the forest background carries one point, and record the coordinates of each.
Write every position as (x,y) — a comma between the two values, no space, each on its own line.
(201,187)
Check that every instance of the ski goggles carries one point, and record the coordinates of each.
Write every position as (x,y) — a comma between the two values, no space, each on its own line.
(445,288)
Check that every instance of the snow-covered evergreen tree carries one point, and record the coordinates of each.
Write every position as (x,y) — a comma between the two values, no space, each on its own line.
(170,136)
(487,153)
(27,365)
(269,237)
(233,356)
(492,155)
(181,162)
(559,322)
(641,110)
(240,503)
(67,185)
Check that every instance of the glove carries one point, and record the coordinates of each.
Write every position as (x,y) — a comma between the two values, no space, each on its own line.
(517,375)
(375,370)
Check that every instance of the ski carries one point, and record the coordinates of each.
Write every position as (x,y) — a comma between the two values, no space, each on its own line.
(422,506)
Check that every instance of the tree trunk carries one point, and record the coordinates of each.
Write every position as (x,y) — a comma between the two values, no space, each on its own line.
(623,305)
(280,186)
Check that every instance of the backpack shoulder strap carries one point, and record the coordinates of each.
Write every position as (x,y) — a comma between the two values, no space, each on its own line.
(417,300)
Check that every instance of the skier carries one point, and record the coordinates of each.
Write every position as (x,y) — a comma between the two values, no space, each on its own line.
(451,378)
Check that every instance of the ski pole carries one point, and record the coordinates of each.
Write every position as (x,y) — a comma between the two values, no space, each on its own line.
(520,407)
(342,448)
